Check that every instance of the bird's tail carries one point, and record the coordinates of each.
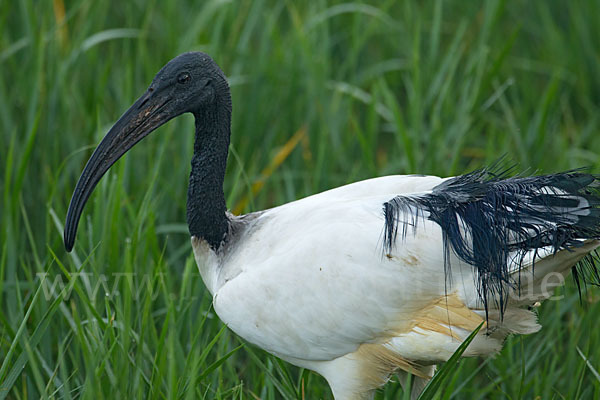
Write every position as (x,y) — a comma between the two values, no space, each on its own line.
(503,226)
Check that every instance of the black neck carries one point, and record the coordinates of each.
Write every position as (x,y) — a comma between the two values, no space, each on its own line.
(206,208)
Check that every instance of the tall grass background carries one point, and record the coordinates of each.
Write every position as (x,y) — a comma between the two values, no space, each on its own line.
(364,89)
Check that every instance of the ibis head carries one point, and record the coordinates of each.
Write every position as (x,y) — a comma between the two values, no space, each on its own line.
(191,82)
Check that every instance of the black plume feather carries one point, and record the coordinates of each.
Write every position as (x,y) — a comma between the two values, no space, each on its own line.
(491,221)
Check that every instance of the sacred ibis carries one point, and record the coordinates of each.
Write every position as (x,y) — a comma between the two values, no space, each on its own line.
(388,275)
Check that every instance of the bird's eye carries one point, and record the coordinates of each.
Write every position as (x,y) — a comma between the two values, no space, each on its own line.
(183,77)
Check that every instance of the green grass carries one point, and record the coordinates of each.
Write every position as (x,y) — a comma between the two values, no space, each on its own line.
(397,87)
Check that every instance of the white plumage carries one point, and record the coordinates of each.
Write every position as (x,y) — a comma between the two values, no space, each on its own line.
(308,281)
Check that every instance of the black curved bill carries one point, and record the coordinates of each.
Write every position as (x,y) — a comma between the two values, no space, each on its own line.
(148,113)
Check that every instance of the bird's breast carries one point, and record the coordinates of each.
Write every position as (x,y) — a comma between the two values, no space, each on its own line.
(208,263)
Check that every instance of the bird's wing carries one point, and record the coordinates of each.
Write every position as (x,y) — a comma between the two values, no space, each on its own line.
(317,278)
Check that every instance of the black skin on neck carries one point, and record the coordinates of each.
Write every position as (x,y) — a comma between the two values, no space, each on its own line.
(191,82)
(206,208)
